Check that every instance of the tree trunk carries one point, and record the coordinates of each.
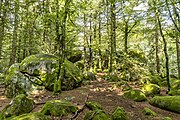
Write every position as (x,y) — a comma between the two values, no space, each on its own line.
(85,40)
(99,47)
(157,52)
(126,38)
(178,56)
(2,22)
(113,35)
(90,44)
(14,39)
(165,52)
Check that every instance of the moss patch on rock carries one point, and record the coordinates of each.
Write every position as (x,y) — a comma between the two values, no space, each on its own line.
(15,82)
(171,103)
(166,118)
(19,105)
(94,105)
(30,116)
(136,95)
(149,112)
(58,108)
(119,114)
(96,115)
(151,89)
(73,76)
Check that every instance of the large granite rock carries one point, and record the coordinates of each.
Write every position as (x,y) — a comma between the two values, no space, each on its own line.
(41,70)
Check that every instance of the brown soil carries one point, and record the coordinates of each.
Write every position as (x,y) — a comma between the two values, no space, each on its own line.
(106,93)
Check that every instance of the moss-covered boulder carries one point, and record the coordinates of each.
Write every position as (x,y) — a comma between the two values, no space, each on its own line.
(151,89)
(149,112)
(58,108)
(136,95)
(19,105)
(41,70)
(119,114)
(15,82)
(96,115)
(175,87)
(94,105)
(30,116)
(171,103)
(73,76)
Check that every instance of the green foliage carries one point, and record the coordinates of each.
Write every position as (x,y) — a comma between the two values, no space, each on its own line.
(154,79)
(30,116)
(113,76)
(151,89)
(175,87)
(136,95)
(94,105)
(149,112)
(58,108)
(132,66)
(19,105)
(96,115)
(119,114)
(89,76)
(171,103)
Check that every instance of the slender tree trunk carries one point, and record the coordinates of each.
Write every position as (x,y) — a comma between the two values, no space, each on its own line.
(99,48)
(113,35)
(85,40)
(178,56)
(57,85)
(2,26)
(14,39)
(165,52)
(90,44)
(157,52)
(126,38)
(61,44)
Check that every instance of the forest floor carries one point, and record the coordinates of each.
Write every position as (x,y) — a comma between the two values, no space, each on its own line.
(101,91)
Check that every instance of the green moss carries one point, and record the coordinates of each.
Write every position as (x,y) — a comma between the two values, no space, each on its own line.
(119,114)
(171,103)
(151,89)
(166,118)
(96,115)
(149,112)
(15,82)
(135,95)
(30,116)
(94,105)
(58,108)
(19,105)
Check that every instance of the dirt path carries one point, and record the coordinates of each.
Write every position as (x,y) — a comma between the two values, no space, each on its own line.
(106,94)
